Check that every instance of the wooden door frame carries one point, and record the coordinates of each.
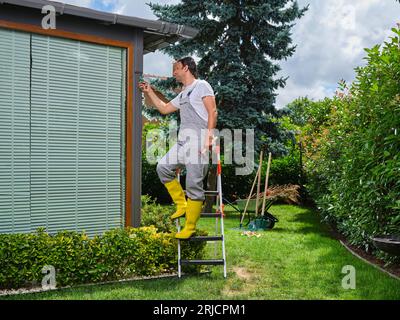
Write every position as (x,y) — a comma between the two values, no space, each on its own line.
(29,28)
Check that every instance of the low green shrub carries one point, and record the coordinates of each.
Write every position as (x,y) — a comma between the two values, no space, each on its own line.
(78,259)
(157,215)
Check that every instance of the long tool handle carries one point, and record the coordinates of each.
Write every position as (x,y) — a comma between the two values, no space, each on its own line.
(249,197)
(259,181)
(266,183)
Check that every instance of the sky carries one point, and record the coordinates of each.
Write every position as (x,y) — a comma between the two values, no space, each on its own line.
(330,40)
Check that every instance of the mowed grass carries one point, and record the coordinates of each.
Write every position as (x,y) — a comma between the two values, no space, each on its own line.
(297,259)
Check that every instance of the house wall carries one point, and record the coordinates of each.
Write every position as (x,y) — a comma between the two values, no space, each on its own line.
(90,27)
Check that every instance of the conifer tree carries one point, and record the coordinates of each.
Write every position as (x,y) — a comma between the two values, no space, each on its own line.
(239,43)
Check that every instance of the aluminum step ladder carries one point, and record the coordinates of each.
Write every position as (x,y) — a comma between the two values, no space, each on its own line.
(219,224)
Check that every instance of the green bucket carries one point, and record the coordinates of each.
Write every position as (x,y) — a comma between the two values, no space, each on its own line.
(261,223)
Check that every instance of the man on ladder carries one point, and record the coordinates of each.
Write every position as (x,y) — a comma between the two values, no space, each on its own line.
(198,114)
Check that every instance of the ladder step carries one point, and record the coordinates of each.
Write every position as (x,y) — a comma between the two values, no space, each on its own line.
(211,215)
(205,238)
(211,193)
(208,193)
(203,262)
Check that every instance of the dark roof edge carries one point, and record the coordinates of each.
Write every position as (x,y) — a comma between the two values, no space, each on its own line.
(156,26)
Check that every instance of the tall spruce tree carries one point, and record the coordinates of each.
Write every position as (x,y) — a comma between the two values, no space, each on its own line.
(239,44)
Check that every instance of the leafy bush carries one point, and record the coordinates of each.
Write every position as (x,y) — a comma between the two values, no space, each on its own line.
(77,259)
(153,214)
(352,147)
(284,170)
(157,215)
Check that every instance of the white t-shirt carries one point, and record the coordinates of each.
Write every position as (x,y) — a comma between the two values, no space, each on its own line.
(202,89)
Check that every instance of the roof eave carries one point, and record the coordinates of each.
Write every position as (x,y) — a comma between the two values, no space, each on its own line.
(152,26)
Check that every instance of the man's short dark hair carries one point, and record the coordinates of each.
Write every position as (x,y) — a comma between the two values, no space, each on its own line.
(189,61)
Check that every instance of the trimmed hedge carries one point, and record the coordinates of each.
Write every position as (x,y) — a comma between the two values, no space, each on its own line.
(352,144)
(77,259)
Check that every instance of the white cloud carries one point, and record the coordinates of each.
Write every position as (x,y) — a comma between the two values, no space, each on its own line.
(330,40)
(157,63)
(80,3)
(340,15)
(139,8)
(292,91)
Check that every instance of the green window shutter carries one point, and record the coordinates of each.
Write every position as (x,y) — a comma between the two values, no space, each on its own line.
(14,131)
(77,135)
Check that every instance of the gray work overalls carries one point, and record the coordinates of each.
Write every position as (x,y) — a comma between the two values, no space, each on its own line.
(186,152)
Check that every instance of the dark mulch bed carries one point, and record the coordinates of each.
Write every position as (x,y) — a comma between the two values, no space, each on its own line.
(393,269)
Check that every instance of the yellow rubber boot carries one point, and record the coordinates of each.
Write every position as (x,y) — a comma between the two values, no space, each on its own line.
(193,211)
(178,196)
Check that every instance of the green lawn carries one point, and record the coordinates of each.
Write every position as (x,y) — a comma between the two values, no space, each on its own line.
(295,260)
